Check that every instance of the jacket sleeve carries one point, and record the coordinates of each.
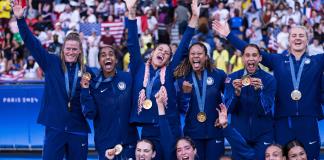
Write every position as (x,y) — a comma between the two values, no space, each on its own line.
(167,139)
(183,49)
(41,56)
(183,99)
(267,58)
(267,96)
(238,143)
(230,98)
(89,108)
(133,46)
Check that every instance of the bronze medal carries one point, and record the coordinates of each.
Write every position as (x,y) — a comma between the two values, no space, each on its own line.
(118,149)
(201,117)
(246,81)
(296,95)
(147,104)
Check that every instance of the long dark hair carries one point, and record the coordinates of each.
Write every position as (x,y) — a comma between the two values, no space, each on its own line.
(187,139)
(73,36)
(292,144)
(184,68)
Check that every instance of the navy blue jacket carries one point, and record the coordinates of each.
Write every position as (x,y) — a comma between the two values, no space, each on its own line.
(252,110)
(54,109)
(239,144)
(109,106)
(137,69)
(310,83)
(206,130)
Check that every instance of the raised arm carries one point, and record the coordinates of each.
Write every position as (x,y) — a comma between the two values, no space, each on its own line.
(183,49)
(31,42)
(132,41)
(167,139)
(224,31)
(235,139)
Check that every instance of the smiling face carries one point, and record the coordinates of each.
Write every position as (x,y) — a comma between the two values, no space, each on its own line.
(71,51)
(197,57)
(144,151)
(297,153)
(161,55)
(298,39)
(251,59)
(185,151)
(107,60)
(274,153)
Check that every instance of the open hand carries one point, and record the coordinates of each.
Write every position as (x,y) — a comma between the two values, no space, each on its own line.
(221,28)
(17,8)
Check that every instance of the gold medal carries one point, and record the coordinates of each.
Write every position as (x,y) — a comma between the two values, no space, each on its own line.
(147,104)
(296,95)
(118,149)
(246,80)
(201,117)
(87,76)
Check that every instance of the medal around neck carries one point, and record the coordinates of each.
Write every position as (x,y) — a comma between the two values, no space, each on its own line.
(118,149)
(246,81)
(296,95)
(147,104)
(201,117)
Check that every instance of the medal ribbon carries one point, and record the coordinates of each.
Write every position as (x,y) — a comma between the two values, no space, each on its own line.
(100,81)
(295,80)
(201,98)
(67,83)
(149,87)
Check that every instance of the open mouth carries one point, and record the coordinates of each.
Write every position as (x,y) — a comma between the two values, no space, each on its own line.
(159,57)
(185,158)
(251,65)
(142,158)
(196,63)
(108,64)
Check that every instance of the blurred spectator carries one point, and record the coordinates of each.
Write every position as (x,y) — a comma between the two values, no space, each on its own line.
(222,12)
(4,12)
(221,57)
(119,8)
(59,32)
(107,38)
(236,62)
(65,18)
(31,69)
(93,43)
(282,39)
(236,24)
(254,33)
(91,16)
(3,63)
(181,17)
(104,8)
(55,46)
(152,23)
(316,47)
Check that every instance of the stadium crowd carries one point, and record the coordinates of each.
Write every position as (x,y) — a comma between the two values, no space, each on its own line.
(167,51)
(265,23)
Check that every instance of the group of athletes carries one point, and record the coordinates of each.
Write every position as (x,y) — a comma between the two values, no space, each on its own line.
(152,94)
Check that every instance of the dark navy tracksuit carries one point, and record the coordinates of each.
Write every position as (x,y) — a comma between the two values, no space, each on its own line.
(66,131)
(108,104)
(295,119)
(149,118)
(251,112)
(209,139)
